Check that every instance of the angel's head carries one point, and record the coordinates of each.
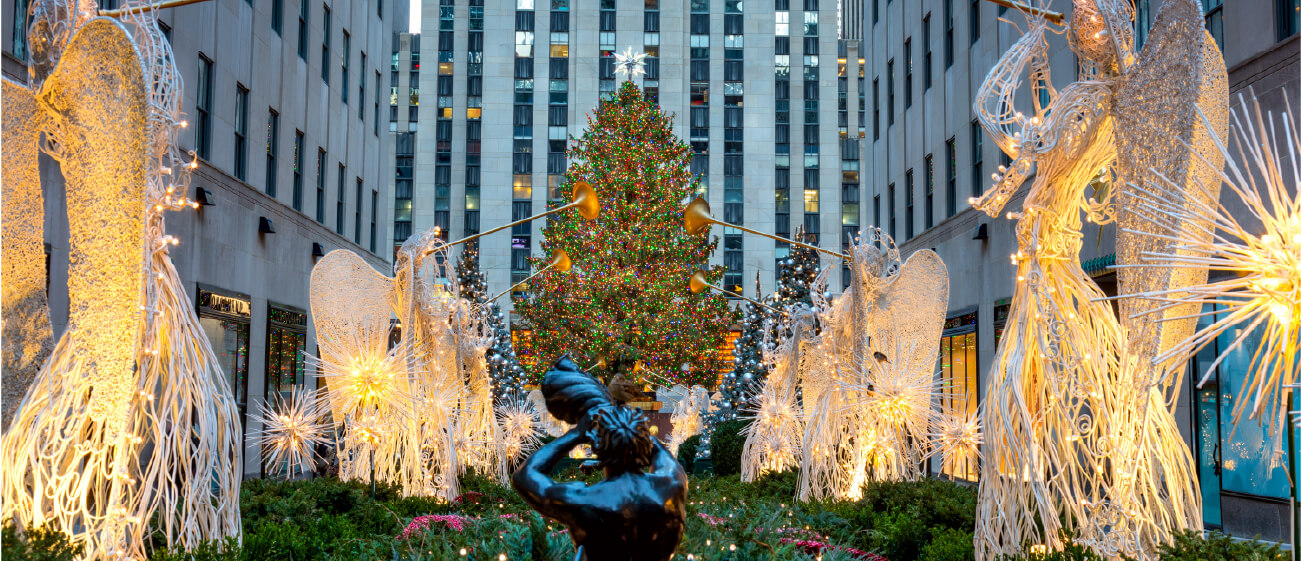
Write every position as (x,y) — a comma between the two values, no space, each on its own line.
(1101,32)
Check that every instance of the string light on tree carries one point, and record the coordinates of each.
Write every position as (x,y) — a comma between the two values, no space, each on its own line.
(627,296)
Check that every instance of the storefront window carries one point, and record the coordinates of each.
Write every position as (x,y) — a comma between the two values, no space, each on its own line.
(286,342)
(959,385)
(1250,465)
(1235,458)
(225,320)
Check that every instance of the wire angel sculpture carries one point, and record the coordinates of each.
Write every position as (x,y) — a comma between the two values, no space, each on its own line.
(129,431)
(872,382)
(1261,295)
(690,405)
(774,438)
(1077,428)
(441,420)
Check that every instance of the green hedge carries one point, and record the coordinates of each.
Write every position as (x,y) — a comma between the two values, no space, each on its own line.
(726,446)
(328,520)
(687,453)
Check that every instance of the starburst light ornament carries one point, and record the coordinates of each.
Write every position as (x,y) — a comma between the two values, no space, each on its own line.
(520,432)
(370,379)
(291,429)
(629,63)
(958,437)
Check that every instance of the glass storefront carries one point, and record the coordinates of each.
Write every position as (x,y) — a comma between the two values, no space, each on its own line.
(286,343)
(959,385)
(225,320)
(1237,458)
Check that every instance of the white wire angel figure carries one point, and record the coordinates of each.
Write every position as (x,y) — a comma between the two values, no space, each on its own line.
(1078,436)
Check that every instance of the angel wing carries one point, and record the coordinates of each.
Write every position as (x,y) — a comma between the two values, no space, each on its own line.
(27,337)
(134,365)
(1157,132)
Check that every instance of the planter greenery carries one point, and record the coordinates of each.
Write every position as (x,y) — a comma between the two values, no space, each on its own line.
(325,519)
(726,446)
(687,453)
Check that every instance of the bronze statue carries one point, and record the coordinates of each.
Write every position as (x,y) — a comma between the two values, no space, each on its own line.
(633,514)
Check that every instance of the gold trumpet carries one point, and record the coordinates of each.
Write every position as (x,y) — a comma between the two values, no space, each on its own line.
(585,200)
(696,219)
(1055,17)
(147,8)
(559,262)
(698,284)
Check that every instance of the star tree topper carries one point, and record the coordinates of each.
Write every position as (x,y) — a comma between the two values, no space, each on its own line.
(630,63)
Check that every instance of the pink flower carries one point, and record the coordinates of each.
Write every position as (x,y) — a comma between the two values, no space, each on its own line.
(813,547)
(422,523)
(713,520)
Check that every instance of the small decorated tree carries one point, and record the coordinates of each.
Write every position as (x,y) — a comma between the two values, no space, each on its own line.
(749,370)
(504,370)
(796,274)
(628,293)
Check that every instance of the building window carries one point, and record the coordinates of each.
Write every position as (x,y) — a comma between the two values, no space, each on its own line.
(951,176)
(929,167)
(959,377)
(203,108)
(375,122)
(948,34)
(320,184)
(225,320)
(241,132)
(876,210)
(374,204)
(356,213)
(19,31)
(286,342)
(325,44)
(889,92)
(974,21)
(273,150)
(361,89)
(302,29)
(908,198)
(926,49)
(340,221)
(277,15)
(298,164)
(890,202)
(977,159)
(343,73)
(1289,17)
(1214,10)
(908,73)
(1235,458)
(876,109)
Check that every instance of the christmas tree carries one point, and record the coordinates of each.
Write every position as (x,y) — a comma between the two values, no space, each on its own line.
(795,274)
(627,295)
(503,368)
(474,287)
(749,371)
(795,279)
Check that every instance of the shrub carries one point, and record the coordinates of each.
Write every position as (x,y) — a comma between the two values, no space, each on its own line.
(950,544)
(687,453)
(1189,545)
(41,544)
(726,446)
